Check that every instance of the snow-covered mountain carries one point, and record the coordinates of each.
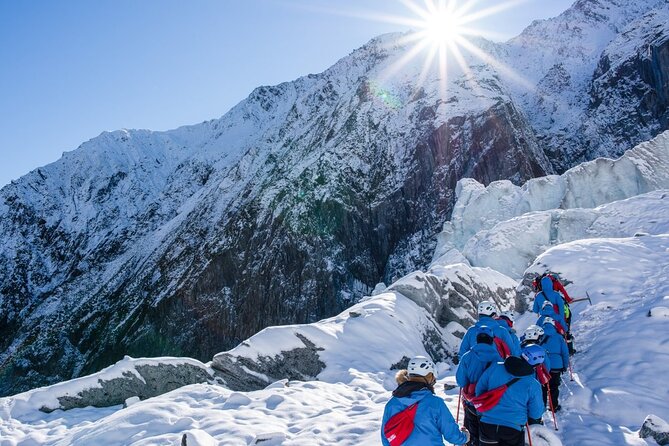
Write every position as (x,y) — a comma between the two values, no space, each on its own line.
(598,85)
(327,382)
(303,197)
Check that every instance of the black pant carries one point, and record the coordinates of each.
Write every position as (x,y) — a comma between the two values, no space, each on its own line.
(471,422)
(494,434)
(554,385)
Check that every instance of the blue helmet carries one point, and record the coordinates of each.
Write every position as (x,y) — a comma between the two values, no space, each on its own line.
(533,354)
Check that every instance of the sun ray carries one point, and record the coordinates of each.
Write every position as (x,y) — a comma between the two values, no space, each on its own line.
(466,69)
(425,70)
(404,60)
(498,65)
(467,18)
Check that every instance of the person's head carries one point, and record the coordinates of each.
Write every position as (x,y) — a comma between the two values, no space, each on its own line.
(549,321)
(487,308)
(485,335)
(533,333)
(533,354)
(422,369)
(508,316)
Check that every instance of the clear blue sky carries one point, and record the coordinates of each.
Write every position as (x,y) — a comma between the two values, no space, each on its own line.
(71,69)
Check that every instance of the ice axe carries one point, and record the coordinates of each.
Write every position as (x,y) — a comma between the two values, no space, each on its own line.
(583,298)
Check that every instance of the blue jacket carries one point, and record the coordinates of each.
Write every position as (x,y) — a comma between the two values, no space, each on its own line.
(521,400)
(555,298)
(433,421)
(512,334)
(474,362)
(556,347)
(469,340)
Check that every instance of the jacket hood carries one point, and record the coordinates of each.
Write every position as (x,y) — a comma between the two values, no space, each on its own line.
(486,353)
(518,366)
(408,388)
(546,284)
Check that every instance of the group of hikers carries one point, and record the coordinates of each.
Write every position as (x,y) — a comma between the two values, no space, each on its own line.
(505,382)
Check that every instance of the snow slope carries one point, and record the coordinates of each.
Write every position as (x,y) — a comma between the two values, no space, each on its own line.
(623,353)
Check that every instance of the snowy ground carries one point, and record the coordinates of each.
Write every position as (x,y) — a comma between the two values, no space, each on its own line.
(619,377)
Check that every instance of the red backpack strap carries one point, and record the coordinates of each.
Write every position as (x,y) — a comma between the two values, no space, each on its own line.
(503,349)
(398,428)
(557,286)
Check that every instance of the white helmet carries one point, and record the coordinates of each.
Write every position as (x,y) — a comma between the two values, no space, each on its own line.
(549,320)
(533,333)
(509,314)
(487,308)
(421,366)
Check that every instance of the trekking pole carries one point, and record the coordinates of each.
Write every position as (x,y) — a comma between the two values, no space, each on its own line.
(457,417)
(529,437)
(571,373)
(550,403)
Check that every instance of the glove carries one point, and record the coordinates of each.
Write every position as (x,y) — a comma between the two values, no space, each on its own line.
(466,432)
(456,360)
(535,421)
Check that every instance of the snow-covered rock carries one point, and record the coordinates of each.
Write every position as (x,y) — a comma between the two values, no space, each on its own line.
(511,246)
(422,313)
(485,220)
(125,382)
(655,427)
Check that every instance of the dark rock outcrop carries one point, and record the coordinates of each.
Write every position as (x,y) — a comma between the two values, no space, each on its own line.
(656,428)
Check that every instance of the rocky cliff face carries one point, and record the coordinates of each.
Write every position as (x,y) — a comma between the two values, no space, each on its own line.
(598,85)
(292,205)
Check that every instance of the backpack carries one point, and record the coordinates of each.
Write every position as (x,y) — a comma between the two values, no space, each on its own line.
(536,283)
(488,400)
(399,426)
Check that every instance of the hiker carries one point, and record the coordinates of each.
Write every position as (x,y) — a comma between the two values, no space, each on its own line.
(506,320)
(520,403)
(487,312)
(472,365)
(431,418)
(556,286)
(547,310)
(558,355)
(533,335)
(546,293)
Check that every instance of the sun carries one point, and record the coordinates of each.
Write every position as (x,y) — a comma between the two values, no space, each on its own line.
(443,26)
(446,34)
